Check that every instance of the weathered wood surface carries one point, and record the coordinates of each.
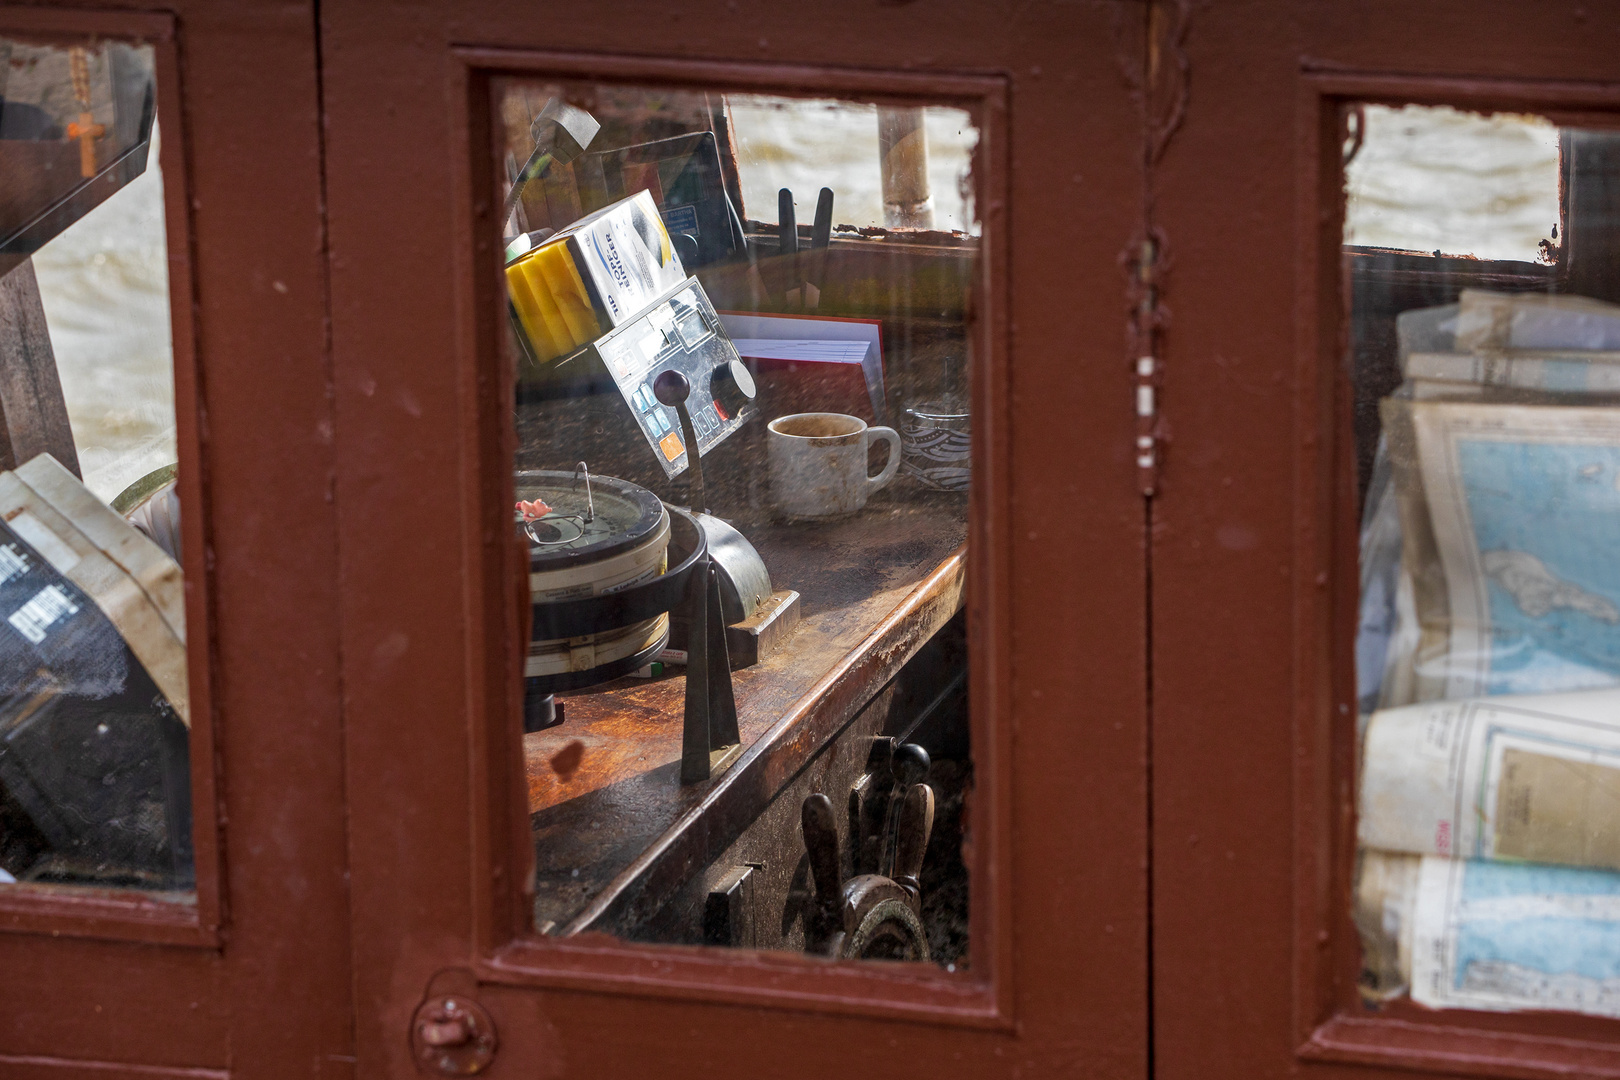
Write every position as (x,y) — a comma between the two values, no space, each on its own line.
(33,413)
(608,811)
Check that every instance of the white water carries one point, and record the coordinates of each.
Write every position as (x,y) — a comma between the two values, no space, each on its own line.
(1435,179)
(807,145)
(105,287)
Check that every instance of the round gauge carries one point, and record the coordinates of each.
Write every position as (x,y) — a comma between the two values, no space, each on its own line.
(579,520)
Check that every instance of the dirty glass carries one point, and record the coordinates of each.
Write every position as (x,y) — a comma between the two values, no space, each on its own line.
(738,336)
(1483,260)
(94,703)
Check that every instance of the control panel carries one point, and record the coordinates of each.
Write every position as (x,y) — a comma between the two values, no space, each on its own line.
(678,332)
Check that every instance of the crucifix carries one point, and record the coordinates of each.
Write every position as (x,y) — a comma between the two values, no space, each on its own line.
(85,129)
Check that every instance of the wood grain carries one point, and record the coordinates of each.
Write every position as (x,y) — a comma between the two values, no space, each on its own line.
(33,413)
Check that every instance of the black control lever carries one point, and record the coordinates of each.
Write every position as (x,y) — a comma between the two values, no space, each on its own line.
(672,388)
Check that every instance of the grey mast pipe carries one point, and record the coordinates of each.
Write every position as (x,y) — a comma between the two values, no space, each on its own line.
(561,133)
(903,157)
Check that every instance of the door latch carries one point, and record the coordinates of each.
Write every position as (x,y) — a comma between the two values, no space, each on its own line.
(451,1033)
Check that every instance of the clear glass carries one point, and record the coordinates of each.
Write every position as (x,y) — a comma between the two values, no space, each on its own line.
(94,702)
(660,295)
(1485,355)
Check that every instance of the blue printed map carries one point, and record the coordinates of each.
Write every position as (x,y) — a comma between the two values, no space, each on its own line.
(1546,519)
(1536,939)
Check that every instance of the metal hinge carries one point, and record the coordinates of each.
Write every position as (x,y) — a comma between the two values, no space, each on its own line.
(1146,375)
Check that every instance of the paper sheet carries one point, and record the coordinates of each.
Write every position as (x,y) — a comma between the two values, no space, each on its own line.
(1512,936)
(1534,778)
(1522,501)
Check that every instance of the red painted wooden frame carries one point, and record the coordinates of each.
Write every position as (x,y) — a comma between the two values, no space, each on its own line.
(101,985)
(126,913)
(1331,1024)
(435,818)
(511,952)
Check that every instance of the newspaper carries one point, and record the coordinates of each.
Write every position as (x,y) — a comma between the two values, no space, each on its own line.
(1499,936)
(1508,523)
(1533,778)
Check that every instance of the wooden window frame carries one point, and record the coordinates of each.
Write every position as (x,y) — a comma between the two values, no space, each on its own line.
(128,914)
(506,949)
(1330,1024)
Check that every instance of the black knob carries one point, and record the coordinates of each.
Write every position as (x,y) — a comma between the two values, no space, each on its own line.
(732,387)
(910,764)
(671,388)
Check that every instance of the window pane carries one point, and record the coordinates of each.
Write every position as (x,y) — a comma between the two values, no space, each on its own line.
(94,703)
(685,272)
(1488,654)
(1436,180)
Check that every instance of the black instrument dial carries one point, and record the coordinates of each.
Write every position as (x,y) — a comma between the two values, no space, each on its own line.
(732,387)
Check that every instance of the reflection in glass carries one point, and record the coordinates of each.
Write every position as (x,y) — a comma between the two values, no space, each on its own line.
(742,361)
(1488,653)
(94,700)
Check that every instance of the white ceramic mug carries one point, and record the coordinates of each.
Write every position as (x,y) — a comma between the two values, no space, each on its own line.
(818,463)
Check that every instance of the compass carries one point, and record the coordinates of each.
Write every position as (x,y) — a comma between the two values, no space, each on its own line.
(588,519)
(589,536)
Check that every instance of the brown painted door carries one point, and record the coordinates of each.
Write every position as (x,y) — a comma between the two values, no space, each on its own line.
(172,895)
(566,881)
(1349,191)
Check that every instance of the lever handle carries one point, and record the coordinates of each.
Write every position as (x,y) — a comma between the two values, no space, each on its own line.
(911,839)
(787,225)
(821,230)
(821,841)
(672,388)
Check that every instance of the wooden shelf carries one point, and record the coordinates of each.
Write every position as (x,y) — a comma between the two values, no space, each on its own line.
(613,827)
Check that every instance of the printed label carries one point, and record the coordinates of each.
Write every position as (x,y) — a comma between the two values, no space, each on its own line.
(34,618)
(1555,810)
(12,562)
(681,219)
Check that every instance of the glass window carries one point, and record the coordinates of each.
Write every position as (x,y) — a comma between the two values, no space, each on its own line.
(1487,379)
(737,326)
(94,700)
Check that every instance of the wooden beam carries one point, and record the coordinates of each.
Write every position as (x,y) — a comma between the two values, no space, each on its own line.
(33,413)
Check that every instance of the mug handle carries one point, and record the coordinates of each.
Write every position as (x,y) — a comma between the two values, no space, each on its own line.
(892,466)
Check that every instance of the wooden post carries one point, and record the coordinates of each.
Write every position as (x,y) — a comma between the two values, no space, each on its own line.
(33,413)
(903,155)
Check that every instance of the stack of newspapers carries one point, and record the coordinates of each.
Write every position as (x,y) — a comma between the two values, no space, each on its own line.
(1489,662)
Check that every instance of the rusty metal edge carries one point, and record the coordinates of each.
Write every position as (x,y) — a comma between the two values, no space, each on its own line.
(784,750)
